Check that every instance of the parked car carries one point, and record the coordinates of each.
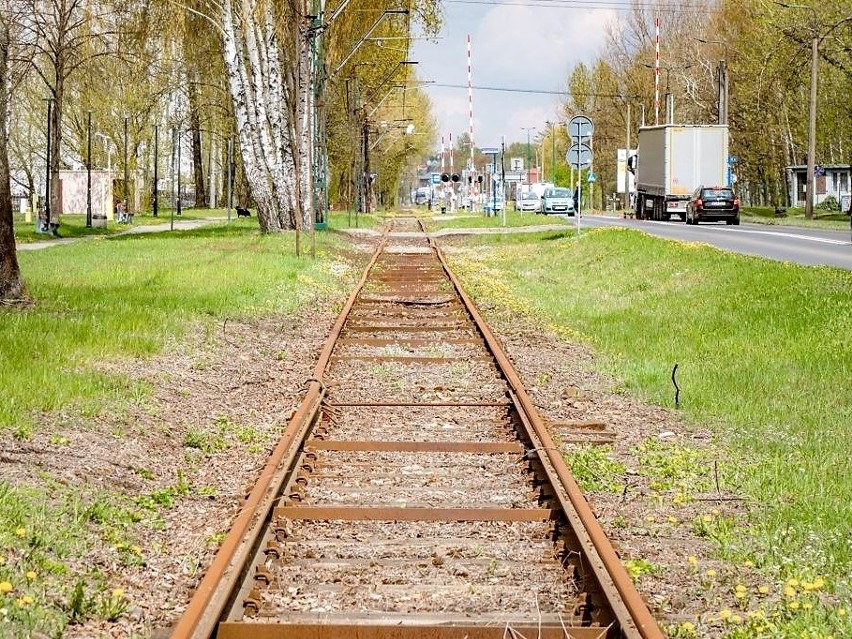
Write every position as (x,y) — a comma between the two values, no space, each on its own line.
(493,203)
(528,201)
(421,196)
(713,204)
(557,200)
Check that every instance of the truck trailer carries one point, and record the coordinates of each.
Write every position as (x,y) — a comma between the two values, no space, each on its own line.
(672,161)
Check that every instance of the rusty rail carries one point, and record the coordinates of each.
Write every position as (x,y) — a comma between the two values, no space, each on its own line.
(204,617)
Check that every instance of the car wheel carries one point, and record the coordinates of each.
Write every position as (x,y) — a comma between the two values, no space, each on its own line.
(737,221)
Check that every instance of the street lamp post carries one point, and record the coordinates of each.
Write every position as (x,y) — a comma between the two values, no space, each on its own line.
(89,170)
(46,226)
(126,180)
(155,201)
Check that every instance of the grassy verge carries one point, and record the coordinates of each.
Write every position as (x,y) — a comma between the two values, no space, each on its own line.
(464,219)
(75,225)
(64,545)
(796,217)
(126,295)
(350,219)
(764,356)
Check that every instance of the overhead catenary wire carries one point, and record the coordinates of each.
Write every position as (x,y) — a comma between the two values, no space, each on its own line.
(609,5)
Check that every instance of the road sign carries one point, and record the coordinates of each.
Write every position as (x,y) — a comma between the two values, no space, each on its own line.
(580,127)
(489,150)
(579,155)
(436,178)
(591,178)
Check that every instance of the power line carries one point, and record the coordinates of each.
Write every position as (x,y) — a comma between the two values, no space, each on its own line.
(611,5)
(538,91)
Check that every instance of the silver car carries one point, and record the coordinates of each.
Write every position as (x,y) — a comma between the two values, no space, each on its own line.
(557,200)
(528,201)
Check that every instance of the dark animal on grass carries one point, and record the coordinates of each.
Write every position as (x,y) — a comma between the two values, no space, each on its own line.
(241,212)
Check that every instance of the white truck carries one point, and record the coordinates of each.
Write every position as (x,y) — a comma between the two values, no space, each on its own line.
(672,161)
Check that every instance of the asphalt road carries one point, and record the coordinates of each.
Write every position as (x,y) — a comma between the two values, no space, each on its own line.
(813,247)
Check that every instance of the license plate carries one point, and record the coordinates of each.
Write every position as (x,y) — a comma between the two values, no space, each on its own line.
(717,204)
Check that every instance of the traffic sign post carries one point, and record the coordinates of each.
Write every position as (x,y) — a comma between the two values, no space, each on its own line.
(580,130)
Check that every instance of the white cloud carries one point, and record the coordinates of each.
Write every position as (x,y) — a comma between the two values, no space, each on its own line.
(519,47)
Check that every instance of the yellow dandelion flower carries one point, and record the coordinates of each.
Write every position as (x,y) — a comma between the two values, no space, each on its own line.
(819,582)
(740,594)
(807,606)
(117,593)
(692,560)
(706,518)
(671,519)
(5,587)
(748,563)
(789,591)
(792,581)
(763,590)
(715,511)
(841,612)
(20,532)
(807,586)
(740,588)
(136,549)
(2,559)
(736,619)
(711,573)
(31,575)
(793,605)
(725,614)
(688,628)
(24,601)
(650,519)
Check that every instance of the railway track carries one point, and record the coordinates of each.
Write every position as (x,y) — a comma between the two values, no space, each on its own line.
(416,491)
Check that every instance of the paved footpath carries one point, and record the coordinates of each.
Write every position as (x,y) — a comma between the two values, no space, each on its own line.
(180,225)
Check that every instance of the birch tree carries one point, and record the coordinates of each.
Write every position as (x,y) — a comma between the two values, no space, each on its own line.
(271,105)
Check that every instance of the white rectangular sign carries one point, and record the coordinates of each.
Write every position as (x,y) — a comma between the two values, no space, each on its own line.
(622,173)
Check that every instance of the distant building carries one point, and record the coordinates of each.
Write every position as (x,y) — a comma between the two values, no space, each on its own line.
(74,187)
(829,180)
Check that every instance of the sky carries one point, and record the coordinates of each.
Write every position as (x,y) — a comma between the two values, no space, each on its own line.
(521,46)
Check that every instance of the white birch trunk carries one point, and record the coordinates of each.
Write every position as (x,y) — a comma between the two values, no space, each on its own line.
(253,59)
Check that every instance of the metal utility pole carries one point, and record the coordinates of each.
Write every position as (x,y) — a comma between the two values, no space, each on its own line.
(626,158)
(126,181)
(89,170)
(528,129)
(155,202)
(722,72)
(47,220)
(811,192)
(230,162)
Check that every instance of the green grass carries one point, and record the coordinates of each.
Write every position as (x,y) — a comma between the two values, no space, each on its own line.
(765,360)
(125,296)
(351,219)
(75,225)
(796,217)
(464,219)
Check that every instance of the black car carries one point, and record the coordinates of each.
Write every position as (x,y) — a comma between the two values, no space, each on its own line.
(713,204)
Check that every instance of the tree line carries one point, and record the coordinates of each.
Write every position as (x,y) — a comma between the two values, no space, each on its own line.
(766,51)
(297,86)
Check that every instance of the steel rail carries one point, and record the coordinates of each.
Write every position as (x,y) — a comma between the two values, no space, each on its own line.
(202,615)
(635,613)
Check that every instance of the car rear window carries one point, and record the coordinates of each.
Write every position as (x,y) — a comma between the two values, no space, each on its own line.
(717,193)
